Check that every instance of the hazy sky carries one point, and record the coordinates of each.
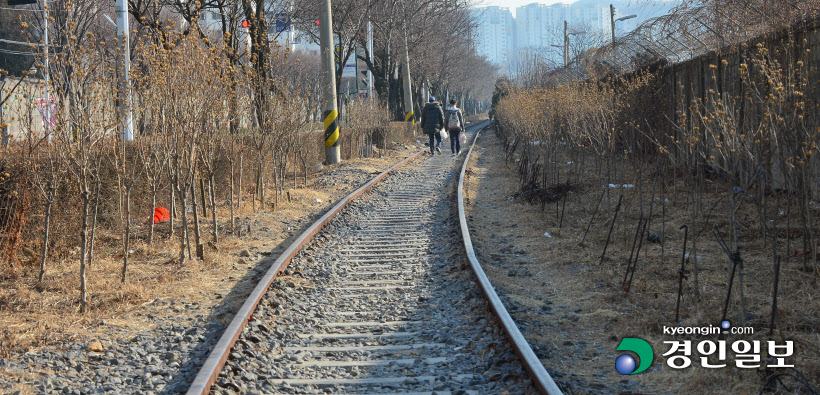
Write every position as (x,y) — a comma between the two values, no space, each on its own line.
(516,3)
(512,4)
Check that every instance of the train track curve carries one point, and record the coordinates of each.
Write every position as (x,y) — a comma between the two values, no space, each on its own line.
(376,298)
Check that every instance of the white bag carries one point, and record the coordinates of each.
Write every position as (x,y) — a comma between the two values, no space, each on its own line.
(443,133)
(462,138)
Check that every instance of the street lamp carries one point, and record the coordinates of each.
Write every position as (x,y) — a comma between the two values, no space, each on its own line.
(566,41)
(613,20)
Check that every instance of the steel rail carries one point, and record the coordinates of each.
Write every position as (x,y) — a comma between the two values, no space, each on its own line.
(540,377)
(213,365)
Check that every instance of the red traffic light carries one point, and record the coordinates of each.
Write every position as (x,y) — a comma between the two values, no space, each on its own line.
(245,24)
(317,22)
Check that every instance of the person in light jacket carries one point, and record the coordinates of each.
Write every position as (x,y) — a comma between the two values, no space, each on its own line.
(432,120)
(455,124)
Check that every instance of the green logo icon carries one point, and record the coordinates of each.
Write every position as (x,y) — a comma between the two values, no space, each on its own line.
(625,364)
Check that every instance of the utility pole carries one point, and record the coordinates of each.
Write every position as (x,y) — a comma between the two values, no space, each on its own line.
(370,55)
(331,113)
(424,94)
(408,93)
(291,31)
(612,20)
(46,73)
(126,125)
(566,43)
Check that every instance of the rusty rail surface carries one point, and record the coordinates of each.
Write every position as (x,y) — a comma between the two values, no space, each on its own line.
(540,377)
(210,370)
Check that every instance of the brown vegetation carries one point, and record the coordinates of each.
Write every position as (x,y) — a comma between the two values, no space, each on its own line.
(723,144)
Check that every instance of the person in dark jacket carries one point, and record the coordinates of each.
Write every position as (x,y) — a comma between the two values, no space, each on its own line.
(432,120)
(455,124)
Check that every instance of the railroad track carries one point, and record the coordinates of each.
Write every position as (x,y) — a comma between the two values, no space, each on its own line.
(381,300)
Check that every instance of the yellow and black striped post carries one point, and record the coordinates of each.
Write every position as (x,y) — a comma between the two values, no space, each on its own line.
(331,113)
(331,128)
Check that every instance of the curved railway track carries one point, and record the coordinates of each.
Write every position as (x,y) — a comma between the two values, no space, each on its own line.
(376,298)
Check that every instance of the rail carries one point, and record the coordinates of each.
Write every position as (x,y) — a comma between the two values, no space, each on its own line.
(540,377)
(219,355)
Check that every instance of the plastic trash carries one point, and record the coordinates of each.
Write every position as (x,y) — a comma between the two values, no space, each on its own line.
(547,234)
(462,138)
(318,200)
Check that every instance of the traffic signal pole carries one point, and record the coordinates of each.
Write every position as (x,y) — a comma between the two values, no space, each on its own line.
(331,113)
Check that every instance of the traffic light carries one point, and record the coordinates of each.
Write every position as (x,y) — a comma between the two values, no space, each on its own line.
(317,22)
(245,24)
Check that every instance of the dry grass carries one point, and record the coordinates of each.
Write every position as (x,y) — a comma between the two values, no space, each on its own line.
(586,301)
(34,315)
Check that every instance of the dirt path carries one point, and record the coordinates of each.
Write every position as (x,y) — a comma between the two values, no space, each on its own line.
(555,303)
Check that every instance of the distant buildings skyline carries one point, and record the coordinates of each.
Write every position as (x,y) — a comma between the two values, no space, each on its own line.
(537,29)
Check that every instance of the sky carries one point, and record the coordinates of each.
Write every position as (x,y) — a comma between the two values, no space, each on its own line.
(512,4)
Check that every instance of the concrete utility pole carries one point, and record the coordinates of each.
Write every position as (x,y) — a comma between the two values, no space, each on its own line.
(424,94)
(46,73)
(370,55)
(566,44)
(331,113)
(408,93)
(612,19)
(126,125)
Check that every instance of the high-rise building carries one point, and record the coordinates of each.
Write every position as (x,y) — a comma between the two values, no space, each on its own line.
(538,28)
(494,35)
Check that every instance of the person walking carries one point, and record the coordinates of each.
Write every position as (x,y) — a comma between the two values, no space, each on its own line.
(432,120)
(455,124)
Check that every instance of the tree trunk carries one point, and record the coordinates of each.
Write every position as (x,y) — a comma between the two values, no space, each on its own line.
(200,253)
(202,194)
(83,250)
(230,199)
(185,236)
(49,204)
(173,212)
(239,186)
(304,166)
(127,230)
(151,221)
(94,223)
(213,208)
